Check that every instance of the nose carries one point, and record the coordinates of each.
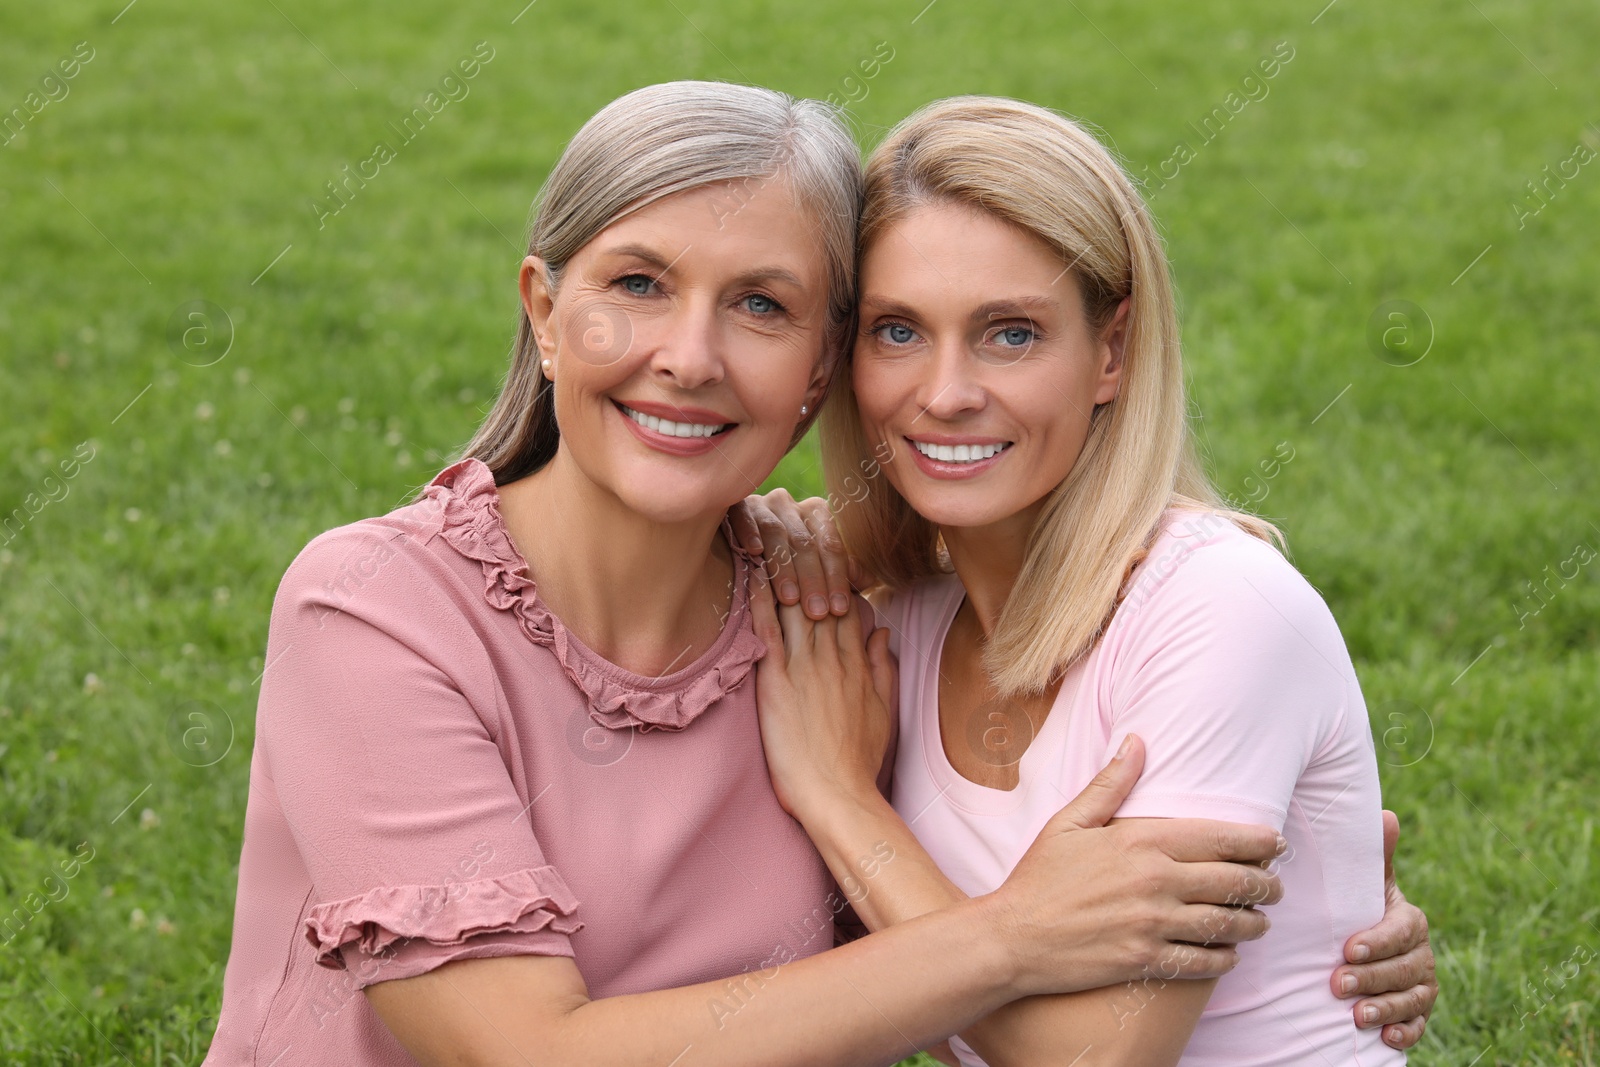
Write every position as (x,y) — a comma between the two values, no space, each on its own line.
(949,388)
(692,350)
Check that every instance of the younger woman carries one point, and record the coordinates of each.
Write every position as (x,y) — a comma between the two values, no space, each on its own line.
(1063,576)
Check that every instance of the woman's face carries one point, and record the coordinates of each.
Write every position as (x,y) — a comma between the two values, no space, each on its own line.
(976,364)
(682,342)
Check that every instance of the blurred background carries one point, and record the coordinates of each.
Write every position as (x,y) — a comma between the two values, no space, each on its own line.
(216,343)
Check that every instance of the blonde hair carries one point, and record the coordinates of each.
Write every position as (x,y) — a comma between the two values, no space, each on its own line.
(649,144)
(1047,175)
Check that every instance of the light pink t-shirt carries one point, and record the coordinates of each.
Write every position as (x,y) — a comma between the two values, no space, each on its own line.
(1230,667)
(443,771)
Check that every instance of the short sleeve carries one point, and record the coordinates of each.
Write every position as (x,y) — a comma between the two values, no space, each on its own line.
(401,802)
(1233,673)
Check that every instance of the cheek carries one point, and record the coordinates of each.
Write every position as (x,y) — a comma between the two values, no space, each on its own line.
(881,388)
(600,334)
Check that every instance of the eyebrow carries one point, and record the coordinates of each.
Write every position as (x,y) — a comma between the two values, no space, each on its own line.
(652,257)
(1023,306)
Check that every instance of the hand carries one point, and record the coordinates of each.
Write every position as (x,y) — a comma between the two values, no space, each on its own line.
(1090,905)
(825,698)
(804,555)
(1391,964)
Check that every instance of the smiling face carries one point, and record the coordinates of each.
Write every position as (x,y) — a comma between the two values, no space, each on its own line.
(682,341)
(976,363)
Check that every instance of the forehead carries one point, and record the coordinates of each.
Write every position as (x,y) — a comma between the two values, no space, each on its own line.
(738,225)
(961,254)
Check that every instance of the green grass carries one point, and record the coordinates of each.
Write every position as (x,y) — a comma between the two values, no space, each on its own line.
(1383,162)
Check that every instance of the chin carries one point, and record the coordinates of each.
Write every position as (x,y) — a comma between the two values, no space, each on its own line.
(670,500)
(960,508)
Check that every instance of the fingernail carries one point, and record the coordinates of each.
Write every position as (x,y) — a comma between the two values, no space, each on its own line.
(815,605)
(840,602)
(1369,1014)
(1347,984)
(1122,752)
(789,591)
(1283,845)
(1360,953)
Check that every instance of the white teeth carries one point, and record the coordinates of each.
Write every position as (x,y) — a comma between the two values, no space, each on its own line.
(674,429)
(959,453)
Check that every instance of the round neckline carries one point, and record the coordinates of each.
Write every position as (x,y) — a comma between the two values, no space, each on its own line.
(960,790)
(470,521)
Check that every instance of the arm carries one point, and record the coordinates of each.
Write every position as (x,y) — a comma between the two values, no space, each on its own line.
(1391,965)
(881,998)
(823,726)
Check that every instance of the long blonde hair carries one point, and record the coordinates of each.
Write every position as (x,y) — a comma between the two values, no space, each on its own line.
(1047,175)
(649,144)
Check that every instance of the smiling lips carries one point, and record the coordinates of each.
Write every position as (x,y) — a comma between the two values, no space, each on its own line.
(676,431)
(951,458)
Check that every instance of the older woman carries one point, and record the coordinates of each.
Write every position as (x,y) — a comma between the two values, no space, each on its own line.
(508,798)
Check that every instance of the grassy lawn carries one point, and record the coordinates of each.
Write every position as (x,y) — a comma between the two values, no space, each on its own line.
(207,360)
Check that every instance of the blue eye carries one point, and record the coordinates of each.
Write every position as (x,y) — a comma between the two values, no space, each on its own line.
(638,284)
(1015,336)
(760,304)
(899,333)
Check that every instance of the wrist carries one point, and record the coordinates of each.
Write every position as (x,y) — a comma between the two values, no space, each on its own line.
(840,811)
(993,952)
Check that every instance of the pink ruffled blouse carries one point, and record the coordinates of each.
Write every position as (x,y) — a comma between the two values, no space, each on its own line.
(443,771)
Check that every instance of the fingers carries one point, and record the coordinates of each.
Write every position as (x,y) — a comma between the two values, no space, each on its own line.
(1195,840)
(763,614)
(1393,1009)
(803,563)
(1402,974)
(1101,798)
(1195,961)
(1403,928)
(831,555)
(799,631)
(1383,978)
(1404,1035)
(1391,837)
(778,554)
(851,630)
(741,517)
(1232,885)
(1212,924)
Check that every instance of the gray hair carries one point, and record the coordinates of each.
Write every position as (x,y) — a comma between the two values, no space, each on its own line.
(647,145)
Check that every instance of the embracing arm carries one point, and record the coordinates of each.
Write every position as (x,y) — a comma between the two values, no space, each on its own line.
(823,732)
(1390,966)
(870,1002)
(1056,1029)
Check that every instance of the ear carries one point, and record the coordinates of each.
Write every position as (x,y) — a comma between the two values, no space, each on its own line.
(1113,341)
(538,302)
(821,376)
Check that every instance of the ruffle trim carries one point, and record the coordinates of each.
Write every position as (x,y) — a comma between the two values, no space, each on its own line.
(618,699)
(535,898)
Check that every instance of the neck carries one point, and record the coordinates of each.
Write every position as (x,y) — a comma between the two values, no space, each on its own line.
(988,560)
(649,596)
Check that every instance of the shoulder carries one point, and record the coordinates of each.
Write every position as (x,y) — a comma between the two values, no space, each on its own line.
(1205,573)
(378,564)
(357,554)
